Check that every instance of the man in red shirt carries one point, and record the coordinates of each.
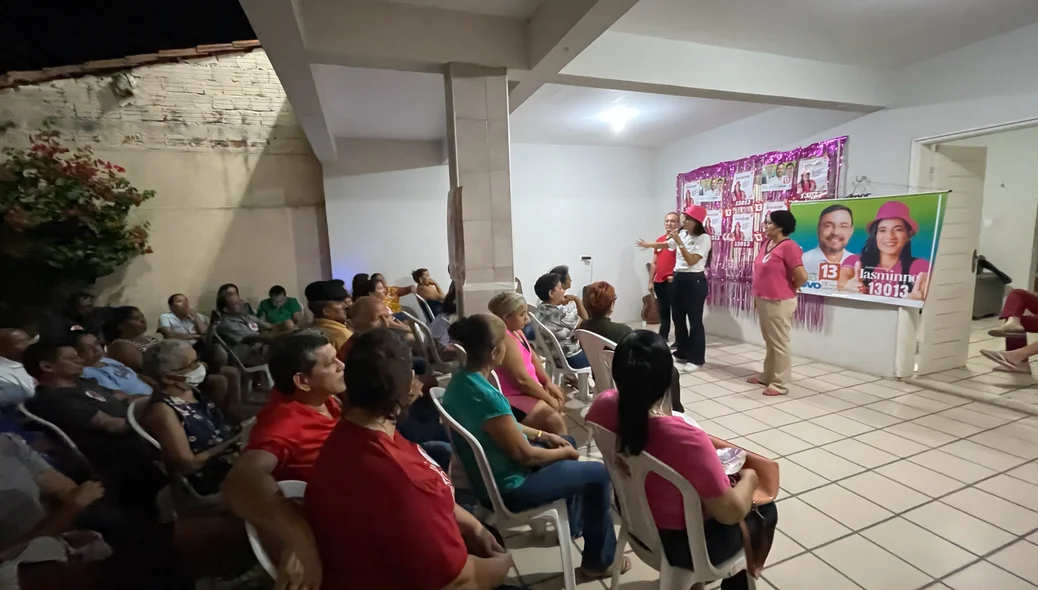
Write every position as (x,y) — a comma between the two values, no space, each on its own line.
(661,274)
(285,442)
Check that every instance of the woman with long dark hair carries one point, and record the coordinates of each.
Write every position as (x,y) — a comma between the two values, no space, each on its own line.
(690,289)
(635,411)
(886,266)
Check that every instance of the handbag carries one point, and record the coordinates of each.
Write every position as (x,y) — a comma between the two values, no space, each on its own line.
(757,542)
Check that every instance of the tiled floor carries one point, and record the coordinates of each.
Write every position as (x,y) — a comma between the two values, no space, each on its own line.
(979,375)
(885,486)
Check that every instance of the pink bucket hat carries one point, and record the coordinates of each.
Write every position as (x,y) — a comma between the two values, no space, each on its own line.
(892,210)
(697,212)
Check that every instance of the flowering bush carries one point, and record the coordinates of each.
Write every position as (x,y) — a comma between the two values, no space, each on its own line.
(67,211)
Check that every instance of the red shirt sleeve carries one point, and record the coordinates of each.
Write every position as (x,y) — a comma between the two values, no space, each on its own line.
(793,256)
(271,439)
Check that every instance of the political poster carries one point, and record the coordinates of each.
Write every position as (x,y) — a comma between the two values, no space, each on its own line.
(766,209)
(712,224)
(690,194)
(710,191)
(878,249)
(742,187)
(778,177)
(742,230)
(812,181)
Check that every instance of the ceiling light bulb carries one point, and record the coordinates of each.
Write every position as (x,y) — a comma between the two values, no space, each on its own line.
(617,117)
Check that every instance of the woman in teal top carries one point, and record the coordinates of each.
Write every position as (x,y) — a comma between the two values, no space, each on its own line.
(531,468)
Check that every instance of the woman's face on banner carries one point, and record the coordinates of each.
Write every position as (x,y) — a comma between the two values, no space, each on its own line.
(891,236)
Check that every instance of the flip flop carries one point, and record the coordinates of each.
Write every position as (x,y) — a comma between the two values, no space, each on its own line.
(998,357)
(1003,333)
(607,573)
(1001,369)
(754,380)
(772,392)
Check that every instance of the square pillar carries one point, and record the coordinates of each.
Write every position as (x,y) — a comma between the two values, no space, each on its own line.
(478,160)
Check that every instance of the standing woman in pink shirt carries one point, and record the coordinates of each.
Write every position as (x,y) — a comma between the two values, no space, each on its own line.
(778,273)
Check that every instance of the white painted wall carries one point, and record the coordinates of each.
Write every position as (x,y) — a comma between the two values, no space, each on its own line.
(1007,226)
(985,84)
(567,201)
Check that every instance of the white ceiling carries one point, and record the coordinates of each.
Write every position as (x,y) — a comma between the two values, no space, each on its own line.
(570,115)
(876,33)
(381,104)
(521,9)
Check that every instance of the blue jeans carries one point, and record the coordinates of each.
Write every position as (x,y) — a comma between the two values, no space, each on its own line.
(579,360)
(587,490)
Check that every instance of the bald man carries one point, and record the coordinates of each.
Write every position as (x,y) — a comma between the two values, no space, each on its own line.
(16,385)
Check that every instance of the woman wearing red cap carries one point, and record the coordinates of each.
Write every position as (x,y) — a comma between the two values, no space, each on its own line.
(886,267)
(692,242)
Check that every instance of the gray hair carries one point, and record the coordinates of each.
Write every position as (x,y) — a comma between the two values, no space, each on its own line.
(164,357)
(506,303)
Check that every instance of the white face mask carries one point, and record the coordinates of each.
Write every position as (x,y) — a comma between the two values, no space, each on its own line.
(195,377)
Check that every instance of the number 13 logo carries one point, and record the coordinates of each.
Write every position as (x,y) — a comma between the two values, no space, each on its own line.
(829,271)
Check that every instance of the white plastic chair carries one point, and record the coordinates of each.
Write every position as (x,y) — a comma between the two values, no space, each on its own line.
(636,521)
(131,417)
(594,345)
(424,306)
(424,335)
(552,351)
(53,429)
(246,371)
(501,516)
(291,488)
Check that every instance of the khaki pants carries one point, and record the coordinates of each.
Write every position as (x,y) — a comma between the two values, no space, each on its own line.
(776,319)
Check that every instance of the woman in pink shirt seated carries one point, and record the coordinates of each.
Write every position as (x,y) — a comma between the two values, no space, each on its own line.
(880,270)
(523,379)
(642,366)
(778,273)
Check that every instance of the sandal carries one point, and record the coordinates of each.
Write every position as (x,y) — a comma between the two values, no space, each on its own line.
(999,357)
(772,392)
(606,573)
(1004,333)
(754,380)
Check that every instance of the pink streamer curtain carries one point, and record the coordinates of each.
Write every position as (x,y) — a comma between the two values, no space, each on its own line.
(738,194)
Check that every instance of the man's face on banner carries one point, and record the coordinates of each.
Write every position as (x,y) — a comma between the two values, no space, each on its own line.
(834,229)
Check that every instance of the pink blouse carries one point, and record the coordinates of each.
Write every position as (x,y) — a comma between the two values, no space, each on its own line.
(509,387)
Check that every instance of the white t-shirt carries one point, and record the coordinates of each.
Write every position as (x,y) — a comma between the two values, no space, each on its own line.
(695,245)
(16,385)
(177,325)
(815,258)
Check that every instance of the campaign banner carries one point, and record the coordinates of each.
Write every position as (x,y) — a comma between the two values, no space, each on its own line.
(878,249)
(812,180)
(778,176)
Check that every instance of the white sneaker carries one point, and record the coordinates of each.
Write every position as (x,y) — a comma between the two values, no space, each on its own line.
(690,368)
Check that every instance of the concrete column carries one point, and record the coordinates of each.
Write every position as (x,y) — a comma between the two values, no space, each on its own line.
(477,147)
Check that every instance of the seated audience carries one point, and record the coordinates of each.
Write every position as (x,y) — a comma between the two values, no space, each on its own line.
(429,290)
(326,301)
(280,311)
(197,441)
(94,417)
(392,294)
(523,380)
(371,484)
(128,323)
(560,313)
(397,319)
(246,334)
(421,423)
(226,290)
(41,502)
(79,312)
(107,372)
(360,284)
(181,322)
(531,468)
(599,301)
(284,444)
(642,369)
(447,315)
(16,385)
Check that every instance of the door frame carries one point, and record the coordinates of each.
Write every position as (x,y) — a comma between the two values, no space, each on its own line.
(909,324)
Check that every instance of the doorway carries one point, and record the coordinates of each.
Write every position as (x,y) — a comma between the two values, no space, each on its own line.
(971,165)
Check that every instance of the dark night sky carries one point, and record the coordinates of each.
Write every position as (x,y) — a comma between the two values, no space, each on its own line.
(35,34)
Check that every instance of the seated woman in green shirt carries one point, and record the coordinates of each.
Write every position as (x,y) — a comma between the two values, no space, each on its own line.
(279,310)
(531,468)
(599,300)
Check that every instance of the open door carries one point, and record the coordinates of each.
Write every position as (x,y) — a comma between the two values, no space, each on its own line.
(945,330)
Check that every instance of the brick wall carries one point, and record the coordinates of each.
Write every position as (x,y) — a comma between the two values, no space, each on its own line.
(218,141)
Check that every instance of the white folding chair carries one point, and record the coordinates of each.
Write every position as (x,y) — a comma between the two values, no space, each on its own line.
(246,371)
(552,351)
(424,306)
(501,516)
(424,335)
(291,488)
(636,521)
(53,429)
(594,345)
